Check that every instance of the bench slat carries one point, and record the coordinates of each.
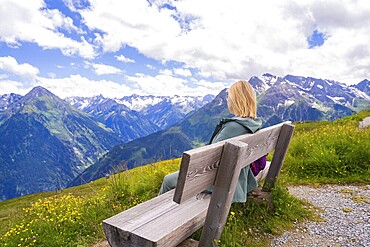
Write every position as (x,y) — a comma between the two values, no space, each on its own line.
(198,168)
(177,224)
(117,228)
(157,222)
(139,215)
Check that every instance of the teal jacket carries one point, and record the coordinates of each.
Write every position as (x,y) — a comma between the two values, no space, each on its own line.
(232,127)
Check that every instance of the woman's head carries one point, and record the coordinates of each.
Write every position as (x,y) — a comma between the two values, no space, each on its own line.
(242,100)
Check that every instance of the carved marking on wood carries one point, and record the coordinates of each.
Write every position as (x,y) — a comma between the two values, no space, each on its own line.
(197,172)
(264,146)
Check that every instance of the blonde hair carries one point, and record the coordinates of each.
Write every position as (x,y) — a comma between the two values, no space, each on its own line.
(242,99)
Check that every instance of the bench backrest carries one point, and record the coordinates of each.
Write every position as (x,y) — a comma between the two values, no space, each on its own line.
(199,166)
(220,164)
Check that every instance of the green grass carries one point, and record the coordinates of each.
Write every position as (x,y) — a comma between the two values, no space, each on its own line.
(320,152)
(256,223)
(329,152)
(73,216)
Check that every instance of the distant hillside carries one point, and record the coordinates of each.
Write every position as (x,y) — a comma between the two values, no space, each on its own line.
(45,143)
(195,129)
(126,123)
(155,147)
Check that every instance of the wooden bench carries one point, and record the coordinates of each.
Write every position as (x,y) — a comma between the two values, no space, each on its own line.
(170,219)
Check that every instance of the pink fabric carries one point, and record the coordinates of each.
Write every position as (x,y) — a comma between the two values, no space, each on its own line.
(258,165)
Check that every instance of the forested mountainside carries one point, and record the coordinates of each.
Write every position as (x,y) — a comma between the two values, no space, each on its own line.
(45,143)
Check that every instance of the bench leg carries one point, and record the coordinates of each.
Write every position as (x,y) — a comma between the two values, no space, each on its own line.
(281,149)
(232,160)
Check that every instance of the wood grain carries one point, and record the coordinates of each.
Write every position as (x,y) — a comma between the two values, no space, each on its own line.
(227,177)
(281,149)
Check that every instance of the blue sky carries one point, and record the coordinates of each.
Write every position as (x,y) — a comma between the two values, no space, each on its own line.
(186,47)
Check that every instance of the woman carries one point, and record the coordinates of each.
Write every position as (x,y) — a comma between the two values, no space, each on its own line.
(242,103)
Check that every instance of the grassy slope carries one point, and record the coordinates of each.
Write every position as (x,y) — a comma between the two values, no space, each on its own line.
(73,216)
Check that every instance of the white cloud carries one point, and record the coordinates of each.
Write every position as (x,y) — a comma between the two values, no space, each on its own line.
(161,84)
(25,70)
(149,66)
(166,72)
(103,69)
(242,39)
(131,23)
(124,59)
(76,85)
(9,86)
(58,20)
(29,21)
(166,84)
(182,72)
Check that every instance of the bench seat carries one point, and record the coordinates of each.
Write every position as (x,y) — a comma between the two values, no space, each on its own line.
(172,222)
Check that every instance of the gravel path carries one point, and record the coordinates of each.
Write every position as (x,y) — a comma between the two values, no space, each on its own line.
(345,211)
(364,123)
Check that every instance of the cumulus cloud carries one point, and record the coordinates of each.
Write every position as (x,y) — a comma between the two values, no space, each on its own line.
(25,70)
(149,66)
(242,39)
(166,72)
(167,84)
(10,86)
(77,85)
(30,21)
(103,69)
(74,85)
(182,72)
(134,23)
(124,59)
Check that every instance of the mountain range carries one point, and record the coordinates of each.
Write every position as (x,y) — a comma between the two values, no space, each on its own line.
(127,124)
(48,142)
(130,117)
(298,98)
(290,98)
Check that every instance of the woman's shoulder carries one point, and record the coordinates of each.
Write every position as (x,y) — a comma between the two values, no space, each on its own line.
(233,125)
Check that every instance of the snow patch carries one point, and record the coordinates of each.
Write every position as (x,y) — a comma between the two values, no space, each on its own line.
(319,107)
(289,102)
(337,100)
